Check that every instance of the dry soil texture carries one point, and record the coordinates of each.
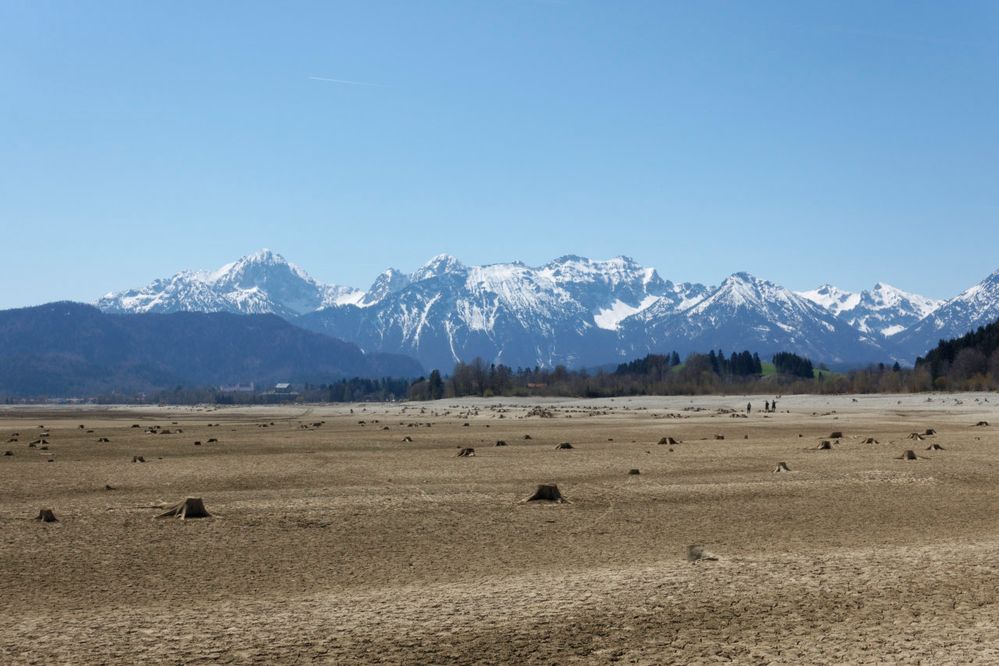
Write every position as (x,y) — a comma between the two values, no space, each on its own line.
(333,540)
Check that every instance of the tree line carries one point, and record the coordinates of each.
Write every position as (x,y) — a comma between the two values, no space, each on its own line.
(654,374)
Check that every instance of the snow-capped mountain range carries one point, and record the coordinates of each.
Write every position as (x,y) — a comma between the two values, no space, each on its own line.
(259,283)
(573,311)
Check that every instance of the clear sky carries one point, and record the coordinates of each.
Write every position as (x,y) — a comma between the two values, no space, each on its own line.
(804,142)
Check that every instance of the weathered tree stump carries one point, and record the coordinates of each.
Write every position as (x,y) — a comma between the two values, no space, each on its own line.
(546,492)
(192,507)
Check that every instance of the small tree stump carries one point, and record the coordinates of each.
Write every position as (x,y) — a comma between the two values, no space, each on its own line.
(466,452)
(696,553)
(47,516)
(781,467)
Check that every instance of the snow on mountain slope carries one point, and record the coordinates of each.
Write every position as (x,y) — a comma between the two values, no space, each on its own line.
(262,282)
(832,298)
(884,310)
(611,317)
(562,312)
(745,312)
(974,307)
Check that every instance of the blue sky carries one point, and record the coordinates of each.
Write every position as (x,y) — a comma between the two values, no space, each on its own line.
(804,142)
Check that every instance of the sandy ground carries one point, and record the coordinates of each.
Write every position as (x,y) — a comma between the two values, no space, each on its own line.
(341,543)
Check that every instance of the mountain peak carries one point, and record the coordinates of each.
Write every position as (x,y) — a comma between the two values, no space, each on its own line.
(743,276)
(257,283)
(436,266)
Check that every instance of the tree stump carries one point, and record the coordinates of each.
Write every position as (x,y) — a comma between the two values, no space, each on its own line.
(696,553)
(192,507)
(546,492)
(47,516)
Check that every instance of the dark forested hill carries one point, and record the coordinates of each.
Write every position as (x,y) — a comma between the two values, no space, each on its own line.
(971,355)
(72,349)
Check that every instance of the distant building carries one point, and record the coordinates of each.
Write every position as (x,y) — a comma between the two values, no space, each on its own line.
(238,388)
(283,387)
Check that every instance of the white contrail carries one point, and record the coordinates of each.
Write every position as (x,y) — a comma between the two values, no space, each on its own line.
(346,82)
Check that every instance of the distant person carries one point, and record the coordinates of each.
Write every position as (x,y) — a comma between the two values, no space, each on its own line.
(766,406)
(749,407)
(773,405)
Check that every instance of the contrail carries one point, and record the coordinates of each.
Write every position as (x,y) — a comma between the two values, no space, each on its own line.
(346,82)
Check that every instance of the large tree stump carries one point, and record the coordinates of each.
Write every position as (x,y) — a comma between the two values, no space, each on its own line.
(546,492)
